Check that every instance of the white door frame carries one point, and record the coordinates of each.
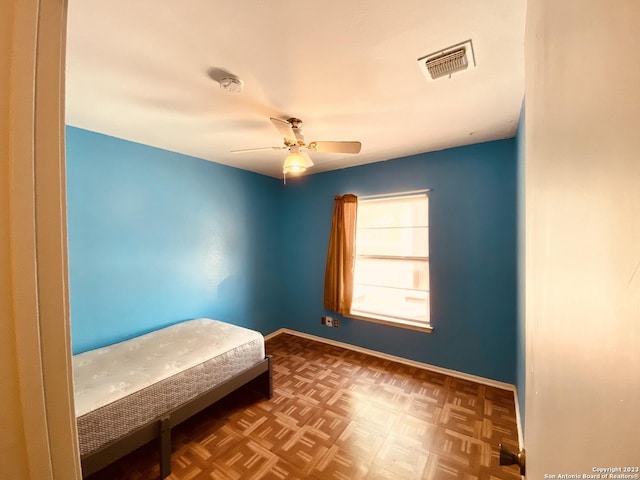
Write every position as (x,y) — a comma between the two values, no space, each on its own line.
(38,239)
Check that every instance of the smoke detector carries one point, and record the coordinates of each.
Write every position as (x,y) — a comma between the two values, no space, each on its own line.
(231,84)
(446,62)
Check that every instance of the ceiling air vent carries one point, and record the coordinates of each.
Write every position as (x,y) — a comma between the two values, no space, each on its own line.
(446,62)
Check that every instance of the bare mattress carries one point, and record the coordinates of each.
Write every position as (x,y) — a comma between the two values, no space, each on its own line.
(121,387)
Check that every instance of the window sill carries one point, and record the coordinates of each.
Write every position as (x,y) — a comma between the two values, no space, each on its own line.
(407,324)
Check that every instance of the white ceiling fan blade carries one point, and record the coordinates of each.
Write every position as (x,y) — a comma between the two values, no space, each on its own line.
(335,147)
(284,128)
(307,159)
(259,149)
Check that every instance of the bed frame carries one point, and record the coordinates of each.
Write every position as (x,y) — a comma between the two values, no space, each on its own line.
(258,378)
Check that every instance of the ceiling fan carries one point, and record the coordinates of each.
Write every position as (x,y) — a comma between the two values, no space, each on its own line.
(298,160)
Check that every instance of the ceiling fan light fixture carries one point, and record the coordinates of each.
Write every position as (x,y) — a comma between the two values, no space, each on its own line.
(294,164)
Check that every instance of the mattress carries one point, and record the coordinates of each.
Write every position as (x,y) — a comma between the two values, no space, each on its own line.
(126,385)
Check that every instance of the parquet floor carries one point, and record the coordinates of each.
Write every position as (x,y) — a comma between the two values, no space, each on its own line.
(342,415)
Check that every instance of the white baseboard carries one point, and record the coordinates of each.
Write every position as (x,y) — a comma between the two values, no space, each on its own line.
(518,418)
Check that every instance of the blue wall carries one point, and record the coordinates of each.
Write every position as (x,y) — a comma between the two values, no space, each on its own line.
(521,332)
(472,256)
(156,237)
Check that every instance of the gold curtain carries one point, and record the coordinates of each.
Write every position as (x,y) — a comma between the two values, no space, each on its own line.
(338,276)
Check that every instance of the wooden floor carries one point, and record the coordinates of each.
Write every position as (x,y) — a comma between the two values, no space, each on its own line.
(343,415)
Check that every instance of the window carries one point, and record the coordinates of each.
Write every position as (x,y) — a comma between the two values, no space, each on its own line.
(391,278)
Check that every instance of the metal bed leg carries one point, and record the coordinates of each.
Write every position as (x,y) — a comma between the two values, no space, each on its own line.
(269,379)
(263,383)
(165,447)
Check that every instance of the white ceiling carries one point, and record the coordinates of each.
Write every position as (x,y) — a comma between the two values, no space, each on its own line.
(144,71)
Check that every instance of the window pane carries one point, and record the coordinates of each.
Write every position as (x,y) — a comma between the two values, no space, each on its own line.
(394,212)
(391,278)
(407,304)
(406,242)
(408,274)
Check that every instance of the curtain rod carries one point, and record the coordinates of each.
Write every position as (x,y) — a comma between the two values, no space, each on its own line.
(396,194)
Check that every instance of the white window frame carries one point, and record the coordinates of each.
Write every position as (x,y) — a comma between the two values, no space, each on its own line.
(385,318)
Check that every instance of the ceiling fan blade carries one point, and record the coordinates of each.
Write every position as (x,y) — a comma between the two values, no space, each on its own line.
(307,159)
(335,147)
(284,128)
(259,149)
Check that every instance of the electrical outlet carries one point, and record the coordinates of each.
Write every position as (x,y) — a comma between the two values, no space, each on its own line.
(336,322)
(329,321)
